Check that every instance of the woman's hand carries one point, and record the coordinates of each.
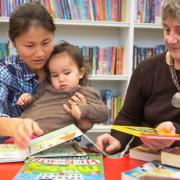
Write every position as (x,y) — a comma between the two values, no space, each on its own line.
(158,144)
(24,99)
(108,143)
(25,129)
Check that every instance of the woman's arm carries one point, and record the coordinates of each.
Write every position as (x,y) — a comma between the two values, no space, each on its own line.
(21,129)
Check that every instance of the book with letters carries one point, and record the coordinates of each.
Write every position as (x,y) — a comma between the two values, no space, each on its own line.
(144,153)
(152,170)
(89,167)
(171,156)
(12,153)
(147,132)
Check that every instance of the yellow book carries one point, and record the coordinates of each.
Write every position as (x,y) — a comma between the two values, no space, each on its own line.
(147,132)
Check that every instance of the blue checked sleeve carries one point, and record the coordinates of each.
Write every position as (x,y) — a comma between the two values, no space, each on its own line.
(5,79)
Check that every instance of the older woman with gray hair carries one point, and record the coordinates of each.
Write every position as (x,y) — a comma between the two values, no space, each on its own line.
(153,95)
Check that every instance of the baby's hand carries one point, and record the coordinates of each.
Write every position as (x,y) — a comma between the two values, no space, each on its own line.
(24,99)
(159,144)
(73,110)
(25,129)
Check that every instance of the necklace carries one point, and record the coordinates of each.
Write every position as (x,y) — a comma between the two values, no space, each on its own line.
(176,97)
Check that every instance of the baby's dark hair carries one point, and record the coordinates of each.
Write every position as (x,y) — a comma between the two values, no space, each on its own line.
(75,53)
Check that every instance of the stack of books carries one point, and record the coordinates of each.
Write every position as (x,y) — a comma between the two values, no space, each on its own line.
(164,164)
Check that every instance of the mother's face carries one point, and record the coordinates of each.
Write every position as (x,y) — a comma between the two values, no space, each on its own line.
(35,46)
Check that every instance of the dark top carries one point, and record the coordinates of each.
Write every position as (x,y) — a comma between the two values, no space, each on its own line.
(148,99)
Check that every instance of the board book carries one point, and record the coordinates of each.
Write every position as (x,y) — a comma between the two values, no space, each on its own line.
(38,147)
(12,153)
(147,132)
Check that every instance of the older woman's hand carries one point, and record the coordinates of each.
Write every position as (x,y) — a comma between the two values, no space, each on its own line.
(108,143)
(158,144)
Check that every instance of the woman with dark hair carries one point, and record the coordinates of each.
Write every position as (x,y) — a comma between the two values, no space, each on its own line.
(31,30)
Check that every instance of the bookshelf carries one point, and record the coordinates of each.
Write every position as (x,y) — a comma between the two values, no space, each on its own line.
(105,34)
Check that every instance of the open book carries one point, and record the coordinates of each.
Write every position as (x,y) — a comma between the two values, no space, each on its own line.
(48,145)
(147,132)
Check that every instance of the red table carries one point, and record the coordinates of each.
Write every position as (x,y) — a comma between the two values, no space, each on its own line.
(112,168)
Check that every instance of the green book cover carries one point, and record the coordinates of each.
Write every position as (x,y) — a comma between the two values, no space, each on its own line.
(81,168)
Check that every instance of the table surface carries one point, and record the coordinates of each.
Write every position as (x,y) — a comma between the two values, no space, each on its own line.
(112,168)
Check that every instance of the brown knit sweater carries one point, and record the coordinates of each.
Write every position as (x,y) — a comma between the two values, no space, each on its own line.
(47,107)
(148,98)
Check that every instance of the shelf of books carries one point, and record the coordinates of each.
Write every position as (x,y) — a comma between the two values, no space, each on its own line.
(113,42)
(108,77)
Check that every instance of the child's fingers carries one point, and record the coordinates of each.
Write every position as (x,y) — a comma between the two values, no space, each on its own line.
(81,97)
(67,109)
(76,99)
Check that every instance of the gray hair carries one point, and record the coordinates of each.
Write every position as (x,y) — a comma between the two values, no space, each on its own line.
(171,9)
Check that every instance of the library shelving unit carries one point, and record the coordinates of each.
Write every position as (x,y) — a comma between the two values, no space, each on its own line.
(105,34)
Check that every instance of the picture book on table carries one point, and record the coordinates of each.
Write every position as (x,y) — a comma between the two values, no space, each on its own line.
(153,170)
(12,153)
(46,146)
(89,167)
(171,156)
(144,153)
(147,132)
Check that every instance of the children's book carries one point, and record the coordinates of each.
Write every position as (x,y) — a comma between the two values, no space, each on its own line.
(147,132)
(152,170)
(88,167)
(171,156)
(144,153)
(12,153)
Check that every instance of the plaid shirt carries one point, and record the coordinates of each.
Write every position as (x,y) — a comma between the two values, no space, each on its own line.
(16,78)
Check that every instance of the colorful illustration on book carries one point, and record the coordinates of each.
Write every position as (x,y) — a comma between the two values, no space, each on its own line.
(146,132)
(154,168)
(86,168)
(54,138)
(64,149)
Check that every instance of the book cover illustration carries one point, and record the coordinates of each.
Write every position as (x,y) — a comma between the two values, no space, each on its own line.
(147,132)
(152,169)
(89,167)
(64,149)
(54,138)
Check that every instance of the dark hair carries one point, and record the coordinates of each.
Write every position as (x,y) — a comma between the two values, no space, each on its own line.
(26,15)
(75,53)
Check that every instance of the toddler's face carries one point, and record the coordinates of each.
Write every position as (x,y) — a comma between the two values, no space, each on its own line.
(64,72)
